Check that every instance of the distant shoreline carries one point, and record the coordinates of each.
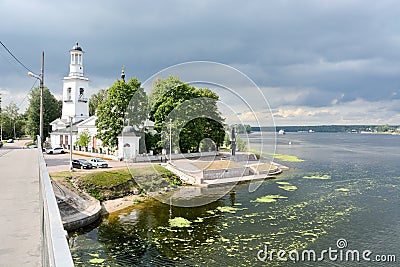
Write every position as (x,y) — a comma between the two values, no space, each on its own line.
(384,129)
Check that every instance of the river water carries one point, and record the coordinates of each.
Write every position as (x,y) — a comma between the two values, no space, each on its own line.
(344,195)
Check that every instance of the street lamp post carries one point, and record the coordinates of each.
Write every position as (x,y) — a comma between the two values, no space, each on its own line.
(41,79)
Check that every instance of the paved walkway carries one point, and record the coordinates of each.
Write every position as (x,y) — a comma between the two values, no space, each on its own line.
(19,207)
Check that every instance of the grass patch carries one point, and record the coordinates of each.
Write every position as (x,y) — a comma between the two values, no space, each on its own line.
(106,179)
(119,182)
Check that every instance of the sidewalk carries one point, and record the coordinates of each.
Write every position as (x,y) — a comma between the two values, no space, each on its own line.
(19,207)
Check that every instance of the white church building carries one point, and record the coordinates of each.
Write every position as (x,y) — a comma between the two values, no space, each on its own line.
(75,117)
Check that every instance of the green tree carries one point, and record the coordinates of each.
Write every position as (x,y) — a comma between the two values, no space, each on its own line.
(96,99)
(11,115)
(241,145)
(13,123)
(83,139)
(193,112)
(123,104)
(160,87)
(51,110)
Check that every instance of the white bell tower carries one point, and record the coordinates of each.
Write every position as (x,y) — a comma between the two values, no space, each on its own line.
(75,85)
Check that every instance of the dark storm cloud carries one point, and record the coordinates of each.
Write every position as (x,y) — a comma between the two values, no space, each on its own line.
(332,52)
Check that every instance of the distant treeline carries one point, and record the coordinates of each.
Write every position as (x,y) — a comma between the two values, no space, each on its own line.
(331,128)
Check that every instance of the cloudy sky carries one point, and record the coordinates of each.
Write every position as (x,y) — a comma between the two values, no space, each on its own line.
(316,62)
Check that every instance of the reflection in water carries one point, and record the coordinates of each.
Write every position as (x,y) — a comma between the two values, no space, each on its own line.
(359,202)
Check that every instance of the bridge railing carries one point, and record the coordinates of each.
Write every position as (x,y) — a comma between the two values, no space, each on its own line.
(55,250)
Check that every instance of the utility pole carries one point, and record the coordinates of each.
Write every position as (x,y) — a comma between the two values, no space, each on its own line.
(41,79)
(41,101)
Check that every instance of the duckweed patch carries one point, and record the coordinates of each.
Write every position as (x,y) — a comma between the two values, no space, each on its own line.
(268,198)
(179,222)
(199,220)
(96,260)
(288,158)
(283,183)
(228,209)
(342,189)
(288,187)
(318,177)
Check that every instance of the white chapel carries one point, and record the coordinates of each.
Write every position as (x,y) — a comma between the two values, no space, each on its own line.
(75,117)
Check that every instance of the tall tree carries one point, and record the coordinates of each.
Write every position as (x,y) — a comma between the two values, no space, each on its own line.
(51,110)
(96,99)
(11,111)
(193,113)
(12,122)
(160,87)
(117,108)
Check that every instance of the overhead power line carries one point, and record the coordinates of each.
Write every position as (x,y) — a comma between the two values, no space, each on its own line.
(16,59)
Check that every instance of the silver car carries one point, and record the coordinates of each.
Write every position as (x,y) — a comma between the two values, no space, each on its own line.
(56,150)
(98,163)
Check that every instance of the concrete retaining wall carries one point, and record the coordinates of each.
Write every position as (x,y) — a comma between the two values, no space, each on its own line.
(83,218)
(225,173)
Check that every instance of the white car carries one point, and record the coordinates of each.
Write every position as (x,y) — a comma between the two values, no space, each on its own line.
(98,163)
(56,150)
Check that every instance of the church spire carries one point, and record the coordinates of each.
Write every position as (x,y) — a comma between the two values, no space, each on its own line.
(123,73)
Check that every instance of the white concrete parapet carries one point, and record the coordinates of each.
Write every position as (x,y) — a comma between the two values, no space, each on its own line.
(55,250)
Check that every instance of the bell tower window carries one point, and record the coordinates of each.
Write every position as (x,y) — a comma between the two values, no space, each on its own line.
(69,98)
(82,97)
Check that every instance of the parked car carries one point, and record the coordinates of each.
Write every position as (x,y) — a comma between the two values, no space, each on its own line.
(56,150)
(10,140)
(98,163)
(81,164)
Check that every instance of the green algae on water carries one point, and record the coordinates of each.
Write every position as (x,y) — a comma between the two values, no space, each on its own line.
(318,177)
(342,189)
(179,222)
(288,158)
(288,187)
(96,260)
(227,209)
(268,198)
(199,220)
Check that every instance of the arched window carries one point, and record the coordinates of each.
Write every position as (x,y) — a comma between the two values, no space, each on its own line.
(81,97)
(69,93)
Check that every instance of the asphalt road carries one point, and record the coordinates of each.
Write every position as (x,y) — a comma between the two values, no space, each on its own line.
(60,162)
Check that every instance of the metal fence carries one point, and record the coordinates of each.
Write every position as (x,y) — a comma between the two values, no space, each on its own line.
(55,250)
